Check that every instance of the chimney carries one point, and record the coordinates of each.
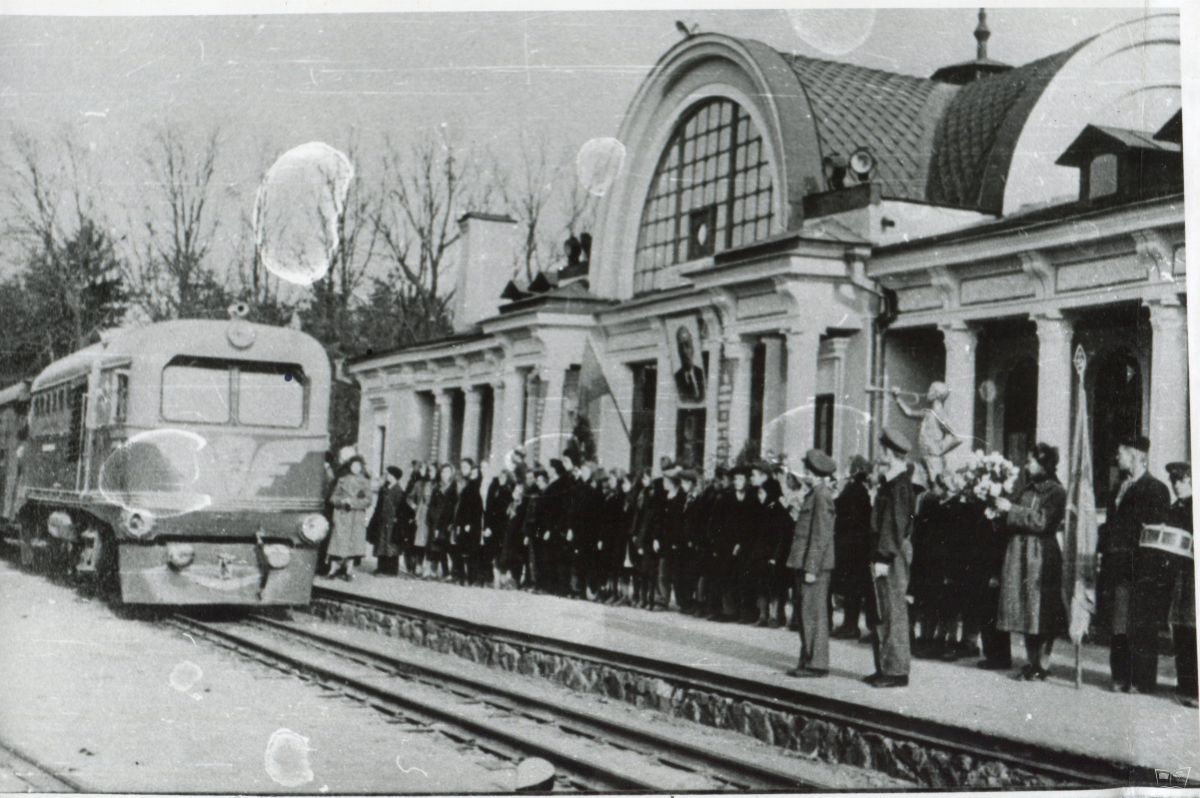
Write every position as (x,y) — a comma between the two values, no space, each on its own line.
(487,246)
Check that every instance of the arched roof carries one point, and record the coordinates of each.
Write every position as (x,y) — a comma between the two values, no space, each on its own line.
(976,136)
(892,115)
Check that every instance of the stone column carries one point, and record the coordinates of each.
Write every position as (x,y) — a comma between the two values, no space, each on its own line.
(1055,386)
(960,342)
(800,387)
(741,354)
(470,431)
(445,417)
(1168,386)
(551,438)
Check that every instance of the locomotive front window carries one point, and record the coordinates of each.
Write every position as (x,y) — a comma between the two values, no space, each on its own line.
(270,395)
(196,390)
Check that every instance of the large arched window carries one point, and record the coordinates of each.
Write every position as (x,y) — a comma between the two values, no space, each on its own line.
(711,191)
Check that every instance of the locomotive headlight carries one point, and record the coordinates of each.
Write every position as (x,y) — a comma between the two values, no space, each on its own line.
(314,528)
(137,522)
(180,555)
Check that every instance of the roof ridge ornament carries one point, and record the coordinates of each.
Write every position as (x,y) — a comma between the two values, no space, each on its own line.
(982,34)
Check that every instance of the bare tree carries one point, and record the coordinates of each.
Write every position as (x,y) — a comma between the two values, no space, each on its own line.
(70,284)
(548,200)
(426,190)
(171,278)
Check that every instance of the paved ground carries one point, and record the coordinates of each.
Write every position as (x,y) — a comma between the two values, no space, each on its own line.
(121,705)
(1150,731)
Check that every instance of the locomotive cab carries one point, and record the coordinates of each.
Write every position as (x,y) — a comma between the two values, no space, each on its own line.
(182,462)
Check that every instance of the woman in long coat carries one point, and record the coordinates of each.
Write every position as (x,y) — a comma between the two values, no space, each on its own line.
(419,490)
(351,498)
(441,516)
(1031,583)
(512,523)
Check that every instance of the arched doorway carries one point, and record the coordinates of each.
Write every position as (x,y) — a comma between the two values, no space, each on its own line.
(1116,412)
(1020,409)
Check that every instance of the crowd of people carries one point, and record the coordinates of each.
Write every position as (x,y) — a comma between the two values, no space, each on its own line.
(929,573)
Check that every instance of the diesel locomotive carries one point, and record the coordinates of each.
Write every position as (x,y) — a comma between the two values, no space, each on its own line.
(177,463)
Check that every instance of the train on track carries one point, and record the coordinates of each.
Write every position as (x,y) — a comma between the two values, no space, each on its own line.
(179,463)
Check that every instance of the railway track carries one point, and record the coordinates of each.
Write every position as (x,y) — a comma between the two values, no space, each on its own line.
(1049,766)
(590,752)
(37,778)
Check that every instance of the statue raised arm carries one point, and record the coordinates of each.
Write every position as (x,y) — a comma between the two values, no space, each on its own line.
(935,438)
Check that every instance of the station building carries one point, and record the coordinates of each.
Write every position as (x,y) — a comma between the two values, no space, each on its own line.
(789,237)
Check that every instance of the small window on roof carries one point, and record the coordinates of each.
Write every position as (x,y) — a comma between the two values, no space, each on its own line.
(1102,175)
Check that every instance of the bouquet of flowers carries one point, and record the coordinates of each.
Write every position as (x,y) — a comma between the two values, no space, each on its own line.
(985,478)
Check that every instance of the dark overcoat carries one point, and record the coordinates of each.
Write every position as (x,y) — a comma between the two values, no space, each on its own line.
(851,533)
(1031,600)
(1183,599)
(1144,501)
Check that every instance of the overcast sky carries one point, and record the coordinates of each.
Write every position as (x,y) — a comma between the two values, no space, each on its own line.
(274,81)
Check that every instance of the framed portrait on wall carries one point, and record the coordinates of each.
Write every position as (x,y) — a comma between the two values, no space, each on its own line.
(687,364)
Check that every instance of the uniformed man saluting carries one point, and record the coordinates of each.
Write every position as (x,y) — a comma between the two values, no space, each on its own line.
(891,557)
(811,556)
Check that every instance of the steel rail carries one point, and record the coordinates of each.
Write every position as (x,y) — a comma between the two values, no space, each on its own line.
(38,777)
(746,775)
(1063,767)
(596,775)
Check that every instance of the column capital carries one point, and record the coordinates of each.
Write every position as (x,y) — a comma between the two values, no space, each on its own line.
(736,347)
(1052,326)
(955,326)
(472,394)
(1167,316)
(838,344)
(441,393)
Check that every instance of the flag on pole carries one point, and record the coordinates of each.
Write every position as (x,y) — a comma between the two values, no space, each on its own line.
(594,387)
(1079,544)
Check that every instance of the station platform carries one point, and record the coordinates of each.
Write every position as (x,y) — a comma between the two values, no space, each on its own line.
(1141,731)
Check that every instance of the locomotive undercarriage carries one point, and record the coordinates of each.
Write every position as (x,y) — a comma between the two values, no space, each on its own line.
(166,570)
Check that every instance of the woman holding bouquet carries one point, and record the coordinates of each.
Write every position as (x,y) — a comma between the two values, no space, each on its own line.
(1031,581)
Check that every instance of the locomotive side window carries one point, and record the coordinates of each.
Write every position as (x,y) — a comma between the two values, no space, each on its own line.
(270,394)
(196,390)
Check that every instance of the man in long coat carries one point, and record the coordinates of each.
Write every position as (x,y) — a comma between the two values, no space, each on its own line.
(851,532)
(1135,583)
(711,584)
(891,558)
(811,556)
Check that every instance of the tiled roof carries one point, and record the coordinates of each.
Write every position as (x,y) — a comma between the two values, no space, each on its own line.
(892,115)
(980,129)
